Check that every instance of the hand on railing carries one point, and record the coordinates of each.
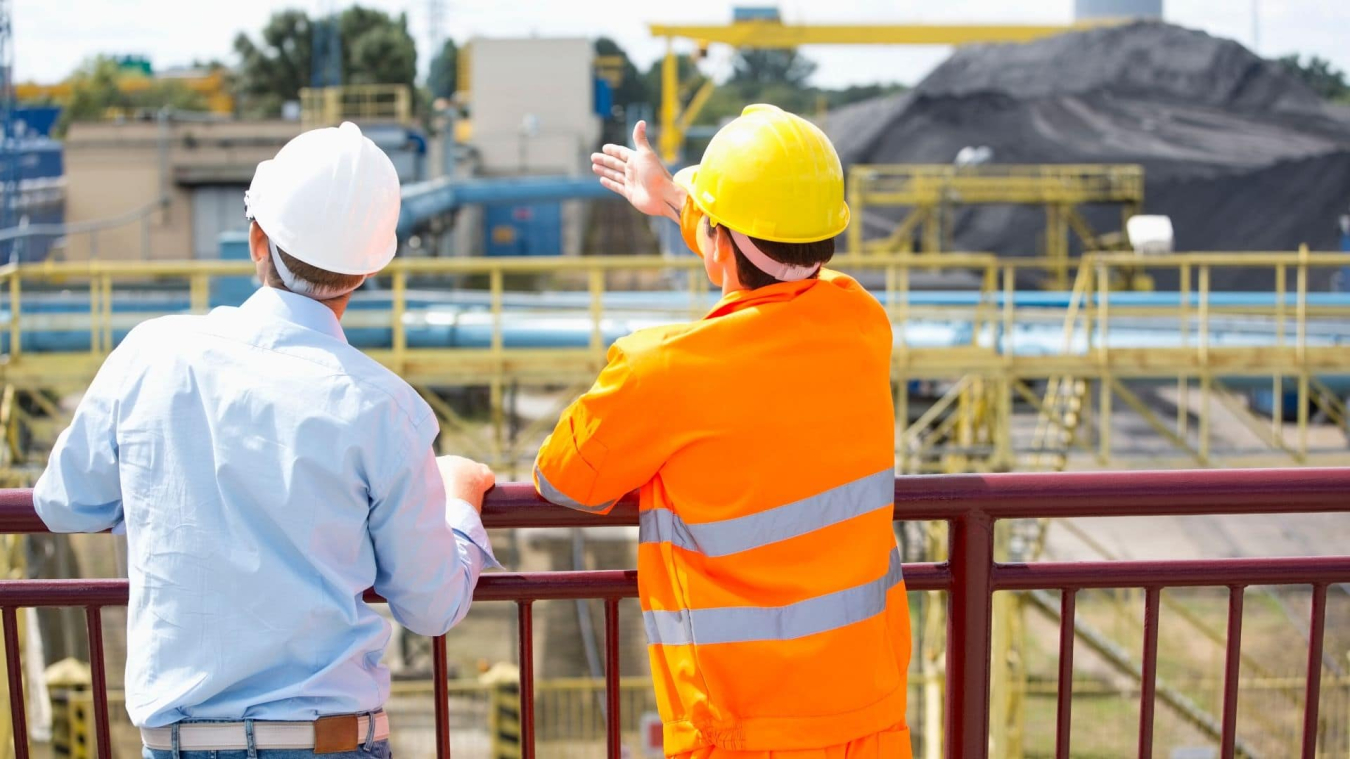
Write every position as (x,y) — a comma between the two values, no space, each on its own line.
(466,480)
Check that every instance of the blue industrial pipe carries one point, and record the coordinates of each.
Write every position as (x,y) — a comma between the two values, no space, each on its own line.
(426,200)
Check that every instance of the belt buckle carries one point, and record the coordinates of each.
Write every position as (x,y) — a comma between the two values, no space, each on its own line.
(336,734)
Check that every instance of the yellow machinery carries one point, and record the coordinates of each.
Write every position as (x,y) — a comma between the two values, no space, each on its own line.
(932,192)
(211,85)
(770,32)
(329,106)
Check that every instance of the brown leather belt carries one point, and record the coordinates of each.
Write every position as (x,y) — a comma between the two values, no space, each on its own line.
(326,735)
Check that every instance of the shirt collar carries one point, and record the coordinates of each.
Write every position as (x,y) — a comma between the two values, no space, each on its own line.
(299,310)
(775,293)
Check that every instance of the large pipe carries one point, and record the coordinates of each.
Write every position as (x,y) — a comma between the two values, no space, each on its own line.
(423,201)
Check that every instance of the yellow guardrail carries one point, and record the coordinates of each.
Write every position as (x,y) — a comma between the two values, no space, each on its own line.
(911,185)
(976,419)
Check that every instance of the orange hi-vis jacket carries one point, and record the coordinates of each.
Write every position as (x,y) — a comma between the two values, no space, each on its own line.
(762,440)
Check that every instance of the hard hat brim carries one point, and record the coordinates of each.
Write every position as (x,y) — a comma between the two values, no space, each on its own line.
(687,177)
(684,179)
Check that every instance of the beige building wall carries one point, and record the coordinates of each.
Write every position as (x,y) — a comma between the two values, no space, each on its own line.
(548,82)
(546,85)
(112,169)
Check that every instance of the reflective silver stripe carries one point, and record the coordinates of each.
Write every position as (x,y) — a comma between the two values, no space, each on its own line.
(743,624)
(730,536)
(554,495)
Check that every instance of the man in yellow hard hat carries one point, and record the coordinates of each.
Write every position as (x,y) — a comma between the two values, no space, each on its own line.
(761,439)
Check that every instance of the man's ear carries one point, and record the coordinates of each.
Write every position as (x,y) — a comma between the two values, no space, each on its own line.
(722,252)
(257,242)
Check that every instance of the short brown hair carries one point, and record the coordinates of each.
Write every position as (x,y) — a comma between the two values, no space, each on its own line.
(791,253)
(321,278)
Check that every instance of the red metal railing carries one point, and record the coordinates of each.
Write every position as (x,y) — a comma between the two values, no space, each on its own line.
(971,504)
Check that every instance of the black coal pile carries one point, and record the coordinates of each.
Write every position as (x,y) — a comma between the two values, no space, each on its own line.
(1239,153)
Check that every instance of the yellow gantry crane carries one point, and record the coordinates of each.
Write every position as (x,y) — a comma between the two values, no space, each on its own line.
(764,28)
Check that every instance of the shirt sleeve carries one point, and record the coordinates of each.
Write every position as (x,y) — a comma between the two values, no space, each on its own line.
(81,490)
(429,549)
(607,443)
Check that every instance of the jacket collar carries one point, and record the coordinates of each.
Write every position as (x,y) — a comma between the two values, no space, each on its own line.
(299,310)
(775,293)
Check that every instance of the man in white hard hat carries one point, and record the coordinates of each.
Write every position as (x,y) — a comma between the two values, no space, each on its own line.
(267,474)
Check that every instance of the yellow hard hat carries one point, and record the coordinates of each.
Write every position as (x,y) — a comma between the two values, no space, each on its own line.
(771,175)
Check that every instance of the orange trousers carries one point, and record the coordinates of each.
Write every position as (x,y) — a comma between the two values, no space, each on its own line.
(892,743)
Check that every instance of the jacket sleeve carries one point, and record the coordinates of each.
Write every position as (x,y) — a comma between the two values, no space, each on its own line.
(607,443)
(81,488)
(429,549)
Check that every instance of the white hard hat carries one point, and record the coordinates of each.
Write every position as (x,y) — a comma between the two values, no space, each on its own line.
(330,199)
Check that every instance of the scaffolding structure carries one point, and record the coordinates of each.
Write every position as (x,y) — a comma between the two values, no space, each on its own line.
(933,192)
(1000,355)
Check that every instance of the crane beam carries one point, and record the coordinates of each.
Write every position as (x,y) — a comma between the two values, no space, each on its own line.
(773,34)
(770,33)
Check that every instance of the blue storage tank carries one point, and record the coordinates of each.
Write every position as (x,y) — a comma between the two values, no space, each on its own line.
(38,158)
(38,166)
(603,98)
(523,229)
(36,120)
(756,13)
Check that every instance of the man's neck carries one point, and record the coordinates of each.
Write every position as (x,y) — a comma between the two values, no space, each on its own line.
(337,305)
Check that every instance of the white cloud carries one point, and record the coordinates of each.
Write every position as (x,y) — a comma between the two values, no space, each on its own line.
(53,36)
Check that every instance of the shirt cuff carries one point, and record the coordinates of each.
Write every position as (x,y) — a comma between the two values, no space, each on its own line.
(468,524)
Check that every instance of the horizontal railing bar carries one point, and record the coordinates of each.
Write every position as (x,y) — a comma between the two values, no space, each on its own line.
(1025,495)
(1056,575)
(507,586)
(493,586)
(1018,495)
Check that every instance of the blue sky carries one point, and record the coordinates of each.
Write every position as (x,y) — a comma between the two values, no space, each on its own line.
(53,36)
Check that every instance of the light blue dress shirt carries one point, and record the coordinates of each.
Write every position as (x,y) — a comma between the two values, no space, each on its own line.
(268,473)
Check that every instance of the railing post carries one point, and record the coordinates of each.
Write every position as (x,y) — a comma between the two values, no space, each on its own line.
(440,689)
(526,623)
(15,319)
(1277,389)
(1183,330)
(1206,378)
(969,636)
(399,307)
(18,719)
(1301,348)
(596,287)
(613,727)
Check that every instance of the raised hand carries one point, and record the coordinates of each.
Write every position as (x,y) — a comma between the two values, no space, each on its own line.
(639,175)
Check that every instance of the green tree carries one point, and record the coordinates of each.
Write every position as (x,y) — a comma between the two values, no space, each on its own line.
(96,91)
(443,78)
(376,49)
(273,71)
(1319,74)
(755,69)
